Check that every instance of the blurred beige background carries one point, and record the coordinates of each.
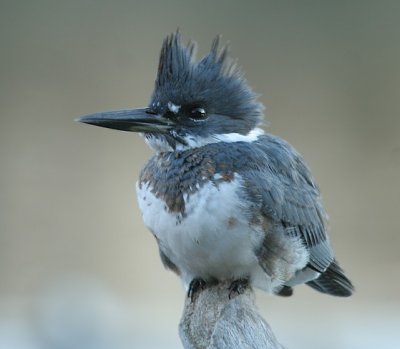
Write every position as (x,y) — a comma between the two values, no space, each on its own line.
(78,268)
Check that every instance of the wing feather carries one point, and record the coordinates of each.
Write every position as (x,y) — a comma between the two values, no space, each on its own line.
(290,197)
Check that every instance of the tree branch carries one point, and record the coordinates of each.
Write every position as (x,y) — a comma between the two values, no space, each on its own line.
(213,321)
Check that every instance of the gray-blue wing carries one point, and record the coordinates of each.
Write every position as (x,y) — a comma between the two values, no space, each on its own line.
(289,197)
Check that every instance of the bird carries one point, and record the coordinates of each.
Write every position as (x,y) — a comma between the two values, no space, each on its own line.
(224,199)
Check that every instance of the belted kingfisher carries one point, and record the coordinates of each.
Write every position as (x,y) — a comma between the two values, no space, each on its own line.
(224,199)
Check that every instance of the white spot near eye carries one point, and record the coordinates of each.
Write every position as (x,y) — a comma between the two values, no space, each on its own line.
(173,107)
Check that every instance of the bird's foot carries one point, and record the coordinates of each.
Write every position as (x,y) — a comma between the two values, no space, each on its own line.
(195,286)
(238,287)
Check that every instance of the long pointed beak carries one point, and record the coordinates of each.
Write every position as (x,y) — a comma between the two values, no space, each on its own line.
(134,120)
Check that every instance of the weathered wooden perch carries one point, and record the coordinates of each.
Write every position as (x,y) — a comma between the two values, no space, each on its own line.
(213,321)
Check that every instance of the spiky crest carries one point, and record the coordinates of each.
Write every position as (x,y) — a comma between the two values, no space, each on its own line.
(214,80)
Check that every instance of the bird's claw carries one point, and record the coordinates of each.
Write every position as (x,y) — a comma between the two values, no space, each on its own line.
(238,287)
(195,286)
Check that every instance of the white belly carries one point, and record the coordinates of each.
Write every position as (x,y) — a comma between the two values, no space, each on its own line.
(212,240)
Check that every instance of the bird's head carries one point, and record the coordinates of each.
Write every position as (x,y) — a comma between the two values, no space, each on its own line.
(193,102)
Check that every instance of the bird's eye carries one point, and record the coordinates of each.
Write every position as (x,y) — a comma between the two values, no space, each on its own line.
(198,114)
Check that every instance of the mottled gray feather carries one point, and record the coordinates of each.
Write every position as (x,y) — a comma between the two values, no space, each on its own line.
(291,198)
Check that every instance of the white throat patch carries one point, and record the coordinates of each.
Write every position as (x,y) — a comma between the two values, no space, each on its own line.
(159,144)
(196,142)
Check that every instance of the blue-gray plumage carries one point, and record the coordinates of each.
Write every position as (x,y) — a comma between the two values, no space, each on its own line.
(224,199)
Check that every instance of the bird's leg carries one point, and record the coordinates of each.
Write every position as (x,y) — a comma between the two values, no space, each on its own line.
(238,287)
(195,286)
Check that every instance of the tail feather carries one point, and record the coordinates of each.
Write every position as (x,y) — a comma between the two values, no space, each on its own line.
(333,281)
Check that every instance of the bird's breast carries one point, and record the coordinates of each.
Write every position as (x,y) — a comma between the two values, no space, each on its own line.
(171,176)
(202,226)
